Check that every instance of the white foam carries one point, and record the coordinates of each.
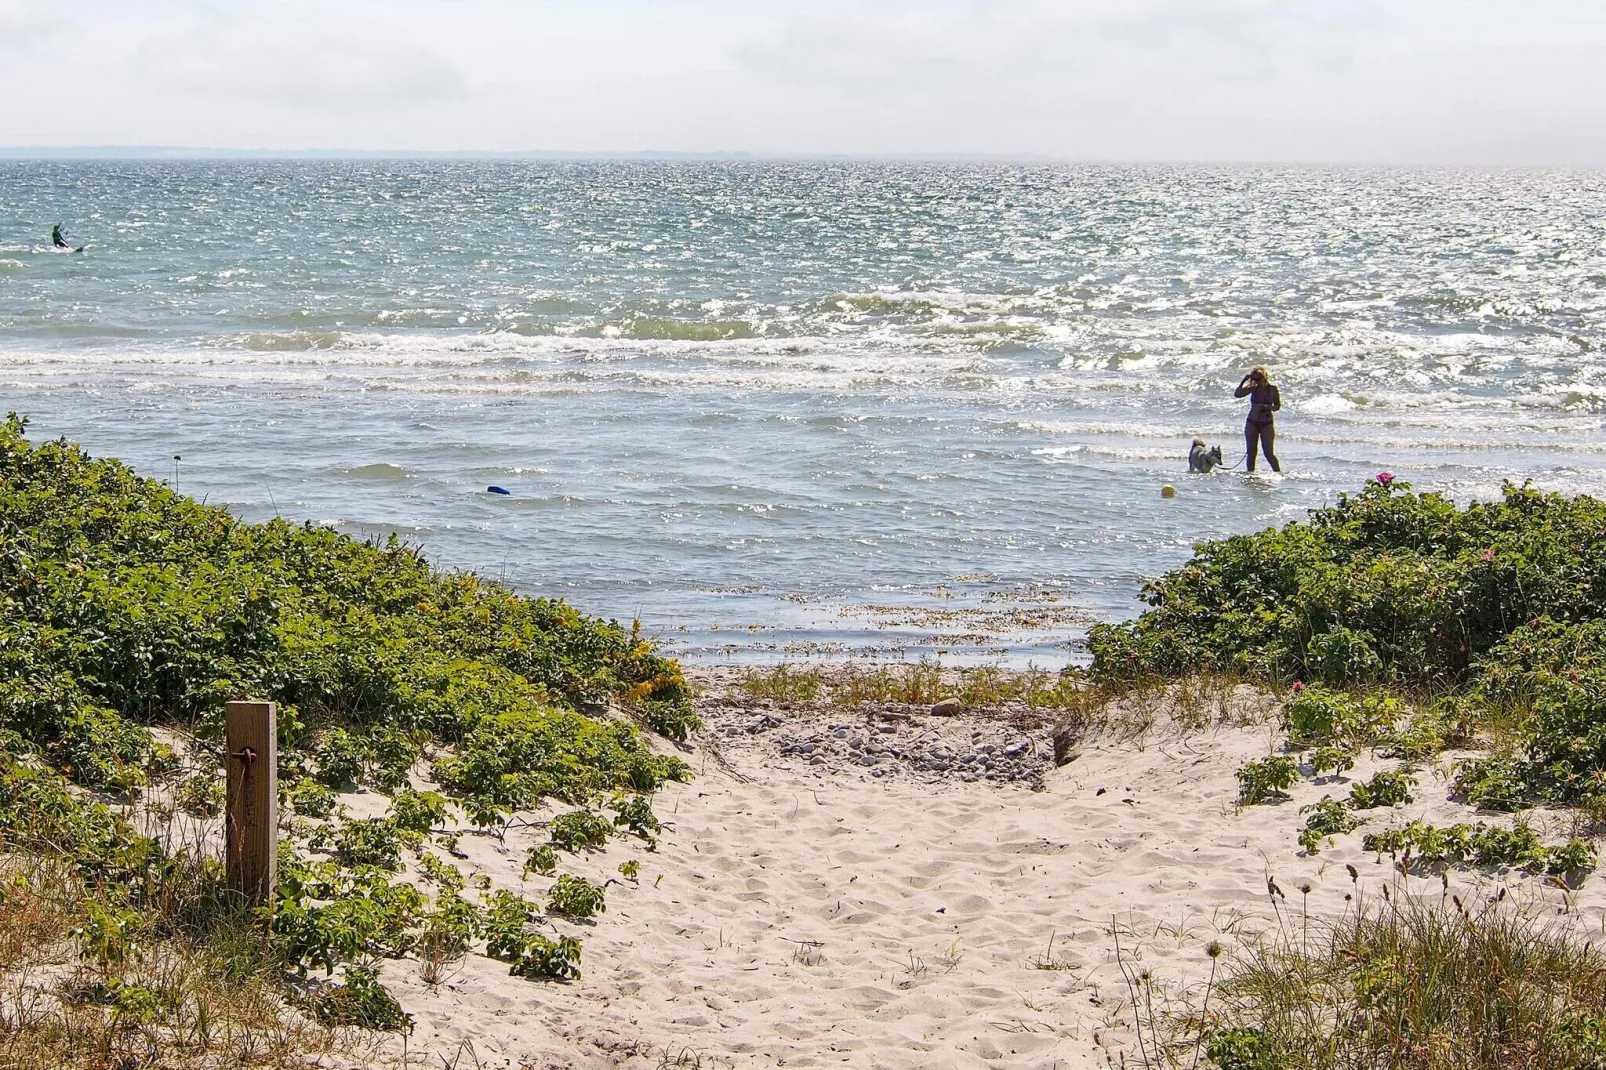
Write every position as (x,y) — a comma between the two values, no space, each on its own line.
(1328,404)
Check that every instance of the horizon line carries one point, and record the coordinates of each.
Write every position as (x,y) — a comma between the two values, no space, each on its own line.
(150,152)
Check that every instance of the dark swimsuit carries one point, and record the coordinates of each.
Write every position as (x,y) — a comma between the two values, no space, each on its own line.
(1259,433)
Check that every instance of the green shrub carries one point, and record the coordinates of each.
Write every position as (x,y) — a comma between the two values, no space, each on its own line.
(548,960)
(1498,610)
(1481,844)
(443,875)
(1259,781)
(1318,717)
(200,795)
(96,746)
(580,830)
(1498,783)
(109,936)
(1327,819)
(374,842)
(1388,788)
(449,927)
(541,859)
(1386,584)
(1242,1048)
(340,759)
(675,719)
(1417,737)
(137,1003)
(311,799)
(1331,760)
(507,921)
(508,938)
(418,811)
(1343,656)
(635,813)
(360,1001)
(514,760)
(391,755)
(325,915)
(575,898)
(784,683)
(1576,857)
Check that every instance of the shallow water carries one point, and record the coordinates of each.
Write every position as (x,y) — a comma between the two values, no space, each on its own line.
(806,407)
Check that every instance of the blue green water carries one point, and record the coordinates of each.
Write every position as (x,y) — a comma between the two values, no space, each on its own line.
(795,407)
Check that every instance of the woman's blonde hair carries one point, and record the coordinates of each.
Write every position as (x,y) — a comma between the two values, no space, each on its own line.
(1259,372)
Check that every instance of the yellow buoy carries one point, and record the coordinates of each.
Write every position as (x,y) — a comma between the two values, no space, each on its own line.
(1168,491)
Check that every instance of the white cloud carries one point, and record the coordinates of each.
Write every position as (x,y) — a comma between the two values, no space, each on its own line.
(25,24)
(1199,79)
(1330,80)
(328,67)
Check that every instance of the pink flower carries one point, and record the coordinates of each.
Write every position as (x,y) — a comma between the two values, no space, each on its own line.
(1299,685)
(1385,478)
(1488,555)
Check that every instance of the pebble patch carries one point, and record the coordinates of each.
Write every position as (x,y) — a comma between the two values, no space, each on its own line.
(895,741)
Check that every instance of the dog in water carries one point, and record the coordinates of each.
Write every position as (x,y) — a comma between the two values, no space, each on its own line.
(1201,459)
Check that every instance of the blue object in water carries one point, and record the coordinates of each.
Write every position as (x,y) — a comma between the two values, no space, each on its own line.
(497,490)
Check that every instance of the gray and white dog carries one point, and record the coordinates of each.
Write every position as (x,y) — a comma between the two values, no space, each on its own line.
(1201,459)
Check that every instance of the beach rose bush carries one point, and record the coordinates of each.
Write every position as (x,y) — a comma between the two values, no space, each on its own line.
(1385,586)
(1497,611)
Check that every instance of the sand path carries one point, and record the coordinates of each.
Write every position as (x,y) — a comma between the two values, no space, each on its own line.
(793,918)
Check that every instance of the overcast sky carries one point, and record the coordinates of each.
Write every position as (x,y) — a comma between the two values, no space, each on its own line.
(1480,81)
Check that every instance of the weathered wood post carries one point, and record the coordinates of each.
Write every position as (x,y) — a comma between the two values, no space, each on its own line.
(252,847)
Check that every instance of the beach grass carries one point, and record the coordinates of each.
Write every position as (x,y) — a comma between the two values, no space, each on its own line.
(1410,984)
(920,683)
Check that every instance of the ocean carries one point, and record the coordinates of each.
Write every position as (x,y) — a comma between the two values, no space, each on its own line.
(806,409)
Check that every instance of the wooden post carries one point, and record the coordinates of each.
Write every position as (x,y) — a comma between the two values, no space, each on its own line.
(252,848)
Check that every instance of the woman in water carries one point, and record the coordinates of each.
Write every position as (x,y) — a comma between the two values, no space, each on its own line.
(1263,401)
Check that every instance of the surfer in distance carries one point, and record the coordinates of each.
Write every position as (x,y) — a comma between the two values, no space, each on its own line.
(58,238)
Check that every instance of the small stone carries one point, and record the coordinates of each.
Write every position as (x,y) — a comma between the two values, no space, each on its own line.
(867,759)
(1015,748)
(948,707)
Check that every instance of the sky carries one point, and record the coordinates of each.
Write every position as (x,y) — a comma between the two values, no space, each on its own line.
(1504,82)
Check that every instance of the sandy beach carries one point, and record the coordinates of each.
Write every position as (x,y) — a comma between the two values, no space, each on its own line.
(823,915)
